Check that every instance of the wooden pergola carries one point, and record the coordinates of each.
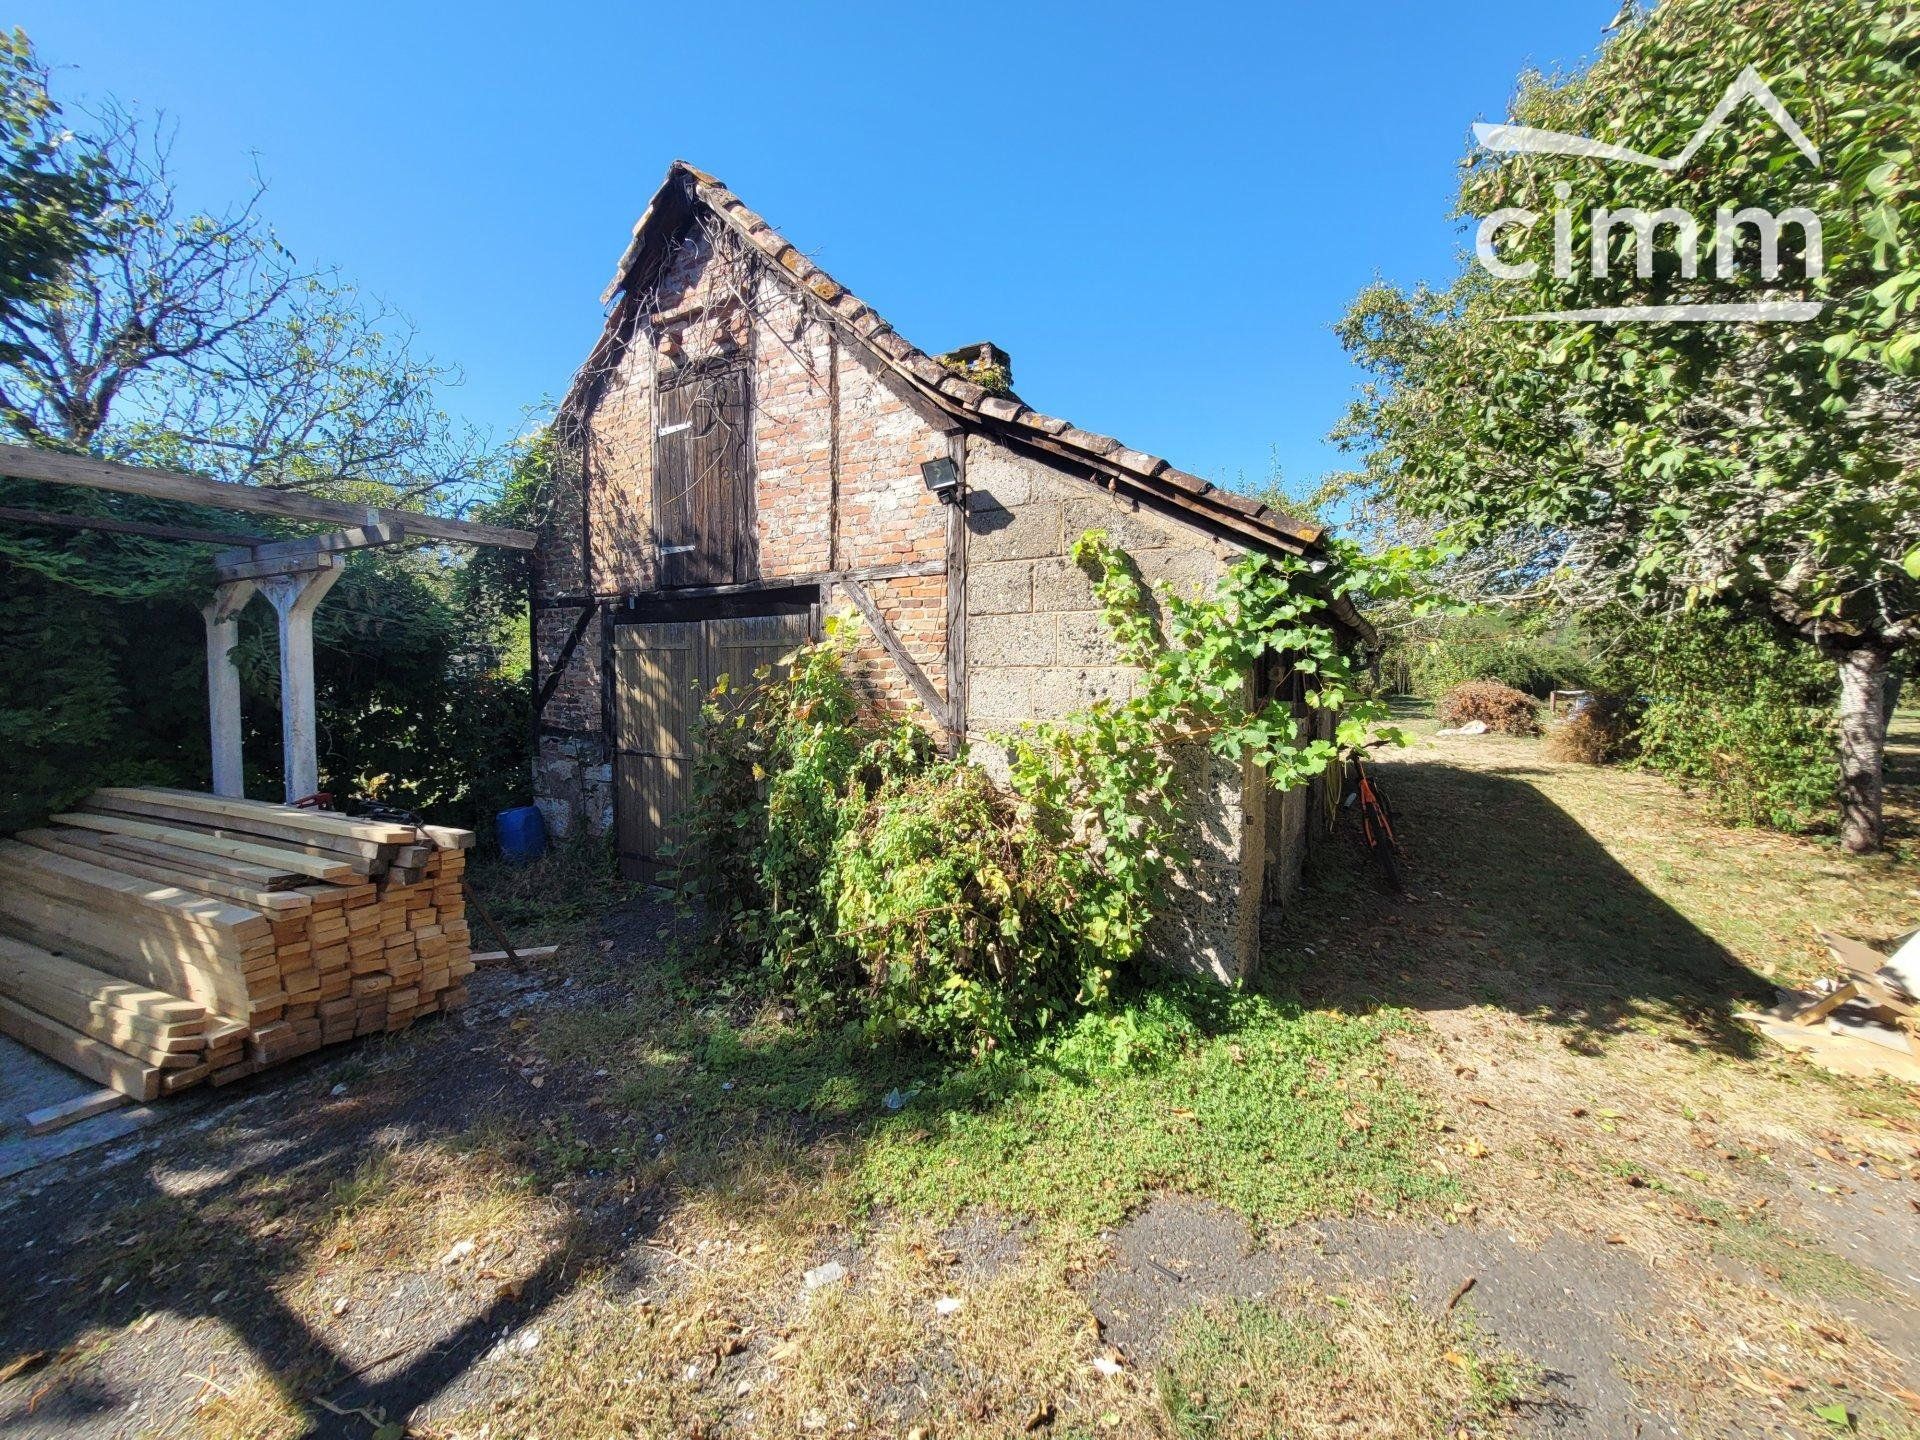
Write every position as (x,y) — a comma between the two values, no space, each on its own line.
(292,575)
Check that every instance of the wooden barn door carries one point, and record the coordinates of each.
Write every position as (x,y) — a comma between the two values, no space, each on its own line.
(702,480)
(661,672)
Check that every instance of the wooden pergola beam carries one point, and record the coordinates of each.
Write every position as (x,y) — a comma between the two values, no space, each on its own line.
(113,526)
(314,552)
(359,537)
(25,463)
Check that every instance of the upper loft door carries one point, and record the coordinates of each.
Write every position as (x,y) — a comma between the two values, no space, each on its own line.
(703,479)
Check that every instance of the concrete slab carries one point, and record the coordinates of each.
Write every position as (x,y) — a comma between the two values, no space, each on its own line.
(30,1081)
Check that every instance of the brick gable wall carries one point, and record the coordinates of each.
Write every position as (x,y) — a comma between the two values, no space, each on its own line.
(836,455)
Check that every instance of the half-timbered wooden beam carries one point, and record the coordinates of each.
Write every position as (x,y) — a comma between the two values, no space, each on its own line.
(890,642)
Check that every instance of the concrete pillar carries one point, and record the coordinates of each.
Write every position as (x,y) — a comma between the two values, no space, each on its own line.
(294,598)
(222,615)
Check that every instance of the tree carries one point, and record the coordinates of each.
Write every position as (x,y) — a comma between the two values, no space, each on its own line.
(50,192)
(193,340)
(1772,469)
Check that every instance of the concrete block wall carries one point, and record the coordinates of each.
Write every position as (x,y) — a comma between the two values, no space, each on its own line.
(1038,649)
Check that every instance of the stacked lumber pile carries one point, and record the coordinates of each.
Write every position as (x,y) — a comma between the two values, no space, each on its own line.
(154,938)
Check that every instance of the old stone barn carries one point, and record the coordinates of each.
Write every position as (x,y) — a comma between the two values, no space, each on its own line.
(750,446)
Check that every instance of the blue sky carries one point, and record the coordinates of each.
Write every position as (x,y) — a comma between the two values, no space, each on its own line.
(1159,211)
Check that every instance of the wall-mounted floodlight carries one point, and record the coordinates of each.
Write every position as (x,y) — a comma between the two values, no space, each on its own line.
(942,477)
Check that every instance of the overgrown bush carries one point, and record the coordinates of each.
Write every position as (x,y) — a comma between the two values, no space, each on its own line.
(1599,732)
(1741,717)
(1500,707)
(871,879)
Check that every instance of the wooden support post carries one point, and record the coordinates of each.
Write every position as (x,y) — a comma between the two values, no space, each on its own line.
(222,615)
(294,599)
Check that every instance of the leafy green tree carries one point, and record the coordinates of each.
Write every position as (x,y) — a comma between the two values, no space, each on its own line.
(1772,469)
(51,191)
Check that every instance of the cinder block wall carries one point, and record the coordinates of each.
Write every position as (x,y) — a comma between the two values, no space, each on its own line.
(1038,649)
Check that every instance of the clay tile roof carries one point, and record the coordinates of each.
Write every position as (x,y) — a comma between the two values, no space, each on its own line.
(1147,477)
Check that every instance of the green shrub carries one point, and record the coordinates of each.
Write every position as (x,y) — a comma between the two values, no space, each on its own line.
(1741,717)
(1535,654)
(1501,708)
(874,881)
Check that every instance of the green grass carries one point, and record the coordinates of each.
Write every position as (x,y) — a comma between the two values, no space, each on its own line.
(1274,1109)
(1798,1264)
(557,898)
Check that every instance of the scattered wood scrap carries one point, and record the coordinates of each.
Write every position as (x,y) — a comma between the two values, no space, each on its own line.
(501,957)
(71,1112)
(154,939)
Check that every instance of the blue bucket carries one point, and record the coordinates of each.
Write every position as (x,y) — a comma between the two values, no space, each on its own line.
(523,834)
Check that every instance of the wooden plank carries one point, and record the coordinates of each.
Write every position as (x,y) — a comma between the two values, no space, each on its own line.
(77,1052)
(197,862)
(366,857)
(174,1081)
(61,469)
(49,1118)
(112,525)
(100,1019)
(71,879)
(27,965)
(500,957)
(445,837)
(239,812)
(268,859)
(277,904)
(155,953)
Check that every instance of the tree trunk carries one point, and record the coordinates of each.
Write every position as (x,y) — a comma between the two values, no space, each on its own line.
(1863,743)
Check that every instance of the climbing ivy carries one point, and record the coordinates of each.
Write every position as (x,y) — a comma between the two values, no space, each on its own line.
(870,878)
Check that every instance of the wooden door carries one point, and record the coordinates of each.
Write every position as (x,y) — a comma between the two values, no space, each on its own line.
(661,673)
(657,685)
(702,480)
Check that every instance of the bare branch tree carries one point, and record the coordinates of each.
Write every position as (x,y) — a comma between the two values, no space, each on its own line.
(197,341)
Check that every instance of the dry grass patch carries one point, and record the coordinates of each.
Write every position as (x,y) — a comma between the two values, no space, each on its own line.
(1358,1364)
(258,1408)
(910,1339)
(409,1206)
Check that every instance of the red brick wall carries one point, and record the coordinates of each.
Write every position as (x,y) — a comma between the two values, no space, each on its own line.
(575,703)
(711,302)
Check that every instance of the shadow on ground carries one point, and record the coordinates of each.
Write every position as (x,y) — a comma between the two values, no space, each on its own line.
(1512,903)
(189,1239)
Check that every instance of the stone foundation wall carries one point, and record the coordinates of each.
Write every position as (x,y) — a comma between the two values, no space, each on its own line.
(573,785)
